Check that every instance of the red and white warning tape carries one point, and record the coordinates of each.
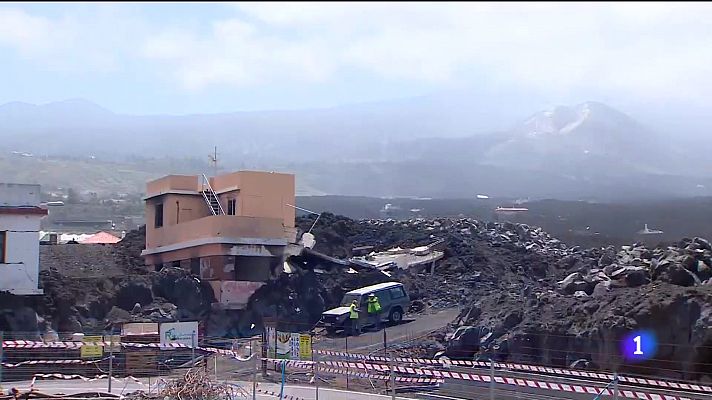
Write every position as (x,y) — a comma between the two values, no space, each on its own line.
(81,377)
(28,344)
(352,369)
(37,362)
(485,378)
(529,368)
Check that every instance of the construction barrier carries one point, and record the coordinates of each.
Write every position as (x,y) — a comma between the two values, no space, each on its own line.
(486,379)
(375,371)
(81,377)
(670,385)
(27,344)
(351,369)
(36,362)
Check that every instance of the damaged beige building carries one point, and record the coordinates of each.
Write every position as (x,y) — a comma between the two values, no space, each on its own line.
(232,230)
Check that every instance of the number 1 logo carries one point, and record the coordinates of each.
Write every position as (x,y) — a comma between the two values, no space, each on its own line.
(638,344)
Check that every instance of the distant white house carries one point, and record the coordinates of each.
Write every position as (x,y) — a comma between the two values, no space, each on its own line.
(20,215)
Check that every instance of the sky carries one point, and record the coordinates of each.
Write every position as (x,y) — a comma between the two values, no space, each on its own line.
(149,58)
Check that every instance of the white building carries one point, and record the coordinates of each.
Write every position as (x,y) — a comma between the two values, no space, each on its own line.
(20,215)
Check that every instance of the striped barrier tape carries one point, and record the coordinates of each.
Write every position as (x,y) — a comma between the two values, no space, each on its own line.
(530,368)
(28,344)
(485,378)
(37,362)
(81,377)
(351,369)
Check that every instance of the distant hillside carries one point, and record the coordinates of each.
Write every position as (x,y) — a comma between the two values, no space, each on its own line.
(412,147)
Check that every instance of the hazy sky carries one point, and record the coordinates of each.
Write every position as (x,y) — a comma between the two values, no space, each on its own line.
(202,57)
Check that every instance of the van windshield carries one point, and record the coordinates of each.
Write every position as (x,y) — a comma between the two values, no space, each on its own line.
(348,298)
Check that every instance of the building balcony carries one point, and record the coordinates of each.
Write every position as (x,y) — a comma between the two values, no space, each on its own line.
(219,229)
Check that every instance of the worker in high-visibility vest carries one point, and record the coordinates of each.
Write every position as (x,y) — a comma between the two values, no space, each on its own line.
(374,310)
(353,316)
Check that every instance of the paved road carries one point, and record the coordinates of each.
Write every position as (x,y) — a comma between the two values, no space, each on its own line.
(364,343)
(411,328)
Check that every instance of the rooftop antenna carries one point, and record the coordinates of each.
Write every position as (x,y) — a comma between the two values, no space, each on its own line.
(214,159)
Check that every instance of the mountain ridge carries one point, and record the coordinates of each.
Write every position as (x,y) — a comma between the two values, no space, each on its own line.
(390,151)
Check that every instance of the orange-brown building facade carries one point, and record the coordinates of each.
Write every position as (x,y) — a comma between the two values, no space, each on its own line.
(231,230)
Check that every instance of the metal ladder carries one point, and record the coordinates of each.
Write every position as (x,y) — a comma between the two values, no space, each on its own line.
(211,199)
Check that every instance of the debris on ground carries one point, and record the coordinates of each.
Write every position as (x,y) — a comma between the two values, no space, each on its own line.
(525,295)
(196,384)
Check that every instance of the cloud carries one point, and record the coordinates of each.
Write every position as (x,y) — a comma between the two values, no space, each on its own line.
(96,39)
(24,32)
(655,48)
(235,53)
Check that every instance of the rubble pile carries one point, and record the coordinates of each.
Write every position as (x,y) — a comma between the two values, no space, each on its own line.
(687,263)
(480,256)
(527,297)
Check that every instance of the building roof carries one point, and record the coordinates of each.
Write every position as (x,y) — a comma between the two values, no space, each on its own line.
(71,237)
(101,238)
(374,288)
(511,209)
(23,210)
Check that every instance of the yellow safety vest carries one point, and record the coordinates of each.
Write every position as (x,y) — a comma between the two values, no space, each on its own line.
(353,313)
(373,305)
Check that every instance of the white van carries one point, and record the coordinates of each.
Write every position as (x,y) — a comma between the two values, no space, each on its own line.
(392,296)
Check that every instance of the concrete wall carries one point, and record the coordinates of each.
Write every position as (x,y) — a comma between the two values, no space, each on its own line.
(13,194)
(234,294)
(188,253)
(20,272)
(215,226)
(265,194)
(177,208)
(172,182)
(255,269)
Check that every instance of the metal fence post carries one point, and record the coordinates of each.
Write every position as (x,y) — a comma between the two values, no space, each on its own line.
(254,373)
(347,365)
(192,349)
(385,343)
(316,379)
(264,353)
(492,383)
(111,361)
(2,354)
(615,386)
(393,379)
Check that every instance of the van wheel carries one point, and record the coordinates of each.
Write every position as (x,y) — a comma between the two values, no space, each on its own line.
(396,315)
